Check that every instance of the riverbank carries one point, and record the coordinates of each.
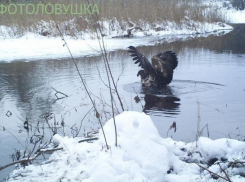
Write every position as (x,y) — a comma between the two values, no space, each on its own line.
(33,46)
(141,155)
(41,39)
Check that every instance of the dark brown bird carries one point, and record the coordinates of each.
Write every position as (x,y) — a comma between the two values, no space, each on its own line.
(159,72)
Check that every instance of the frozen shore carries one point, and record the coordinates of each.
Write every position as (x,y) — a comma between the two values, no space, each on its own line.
(35,47)
(141,155)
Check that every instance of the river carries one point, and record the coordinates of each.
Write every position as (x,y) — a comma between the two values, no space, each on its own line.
(211,72)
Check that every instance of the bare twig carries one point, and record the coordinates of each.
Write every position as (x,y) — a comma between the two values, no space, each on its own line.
(25,160)
(80,75)
(56,94)
(139,99)
(107,68)
(224,173)
(173,126)
(212,172)
(198,121)
(83,119)
(206,126)
(13,136)
(104,52)
(212,107)
(28,159)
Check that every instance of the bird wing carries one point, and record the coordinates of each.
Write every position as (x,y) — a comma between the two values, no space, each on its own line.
(169,58)
(141,59)
(164,64)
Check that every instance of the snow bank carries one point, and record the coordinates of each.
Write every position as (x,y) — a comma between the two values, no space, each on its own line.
(226,10)
(234,16)
(35,47)
(141,155)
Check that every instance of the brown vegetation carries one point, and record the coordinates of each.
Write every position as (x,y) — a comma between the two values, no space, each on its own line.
(119,14)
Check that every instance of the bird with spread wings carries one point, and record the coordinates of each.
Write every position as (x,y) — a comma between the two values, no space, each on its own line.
(159,72)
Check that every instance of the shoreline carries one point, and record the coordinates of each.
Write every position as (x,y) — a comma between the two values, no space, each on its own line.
(37,47)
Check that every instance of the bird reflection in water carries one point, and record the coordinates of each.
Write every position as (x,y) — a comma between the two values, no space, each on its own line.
(165,103)
(169,103)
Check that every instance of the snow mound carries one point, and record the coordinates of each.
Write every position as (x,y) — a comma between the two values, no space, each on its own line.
(141,155)
(234,16)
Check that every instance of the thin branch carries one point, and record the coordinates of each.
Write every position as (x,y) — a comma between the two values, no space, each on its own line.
(212,172)
(13,136)
(80,75)
(198,121)
(104,53)
(58,92)
(139,98)
(224,173)
(41,151)
(82,120)
(25,160)
(108,78)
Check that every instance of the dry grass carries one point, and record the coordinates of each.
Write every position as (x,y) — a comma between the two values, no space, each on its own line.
(138,11)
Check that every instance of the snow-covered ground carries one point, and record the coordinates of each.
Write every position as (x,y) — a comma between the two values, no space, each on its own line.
(234,16)
(226,10)
(33,46)
(141,155)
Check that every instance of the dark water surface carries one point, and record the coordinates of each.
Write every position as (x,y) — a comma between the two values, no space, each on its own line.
(211,70)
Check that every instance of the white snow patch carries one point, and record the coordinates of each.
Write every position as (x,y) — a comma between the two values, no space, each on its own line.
(141,155)
(35,47)
(231,14)
(234,16)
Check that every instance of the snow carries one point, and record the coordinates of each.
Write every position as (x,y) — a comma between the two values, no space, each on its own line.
(234,16)
(231,14)
(32,46)
(141,155)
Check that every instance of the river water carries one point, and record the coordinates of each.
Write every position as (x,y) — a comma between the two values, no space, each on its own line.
(211,72)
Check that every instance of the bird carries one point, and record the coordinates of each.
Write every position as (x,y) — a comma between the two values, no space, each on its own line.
(159,72)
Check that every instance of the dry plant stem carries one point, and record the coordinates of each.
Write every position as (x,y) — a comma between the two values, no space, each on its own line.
(109,82)
(52,129)
(212,107)
(206,126)
(58,92)
(172,126)
(82,121)
(32,151)
(198,121)
(107,68)
(105,103)
(25,160)
(224,173)
(212,172)
(112,78)
(88,139)
(138,97)
(80,75)
(20,161)
(15,137)
(95,16)
(101,77)
(41,151)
